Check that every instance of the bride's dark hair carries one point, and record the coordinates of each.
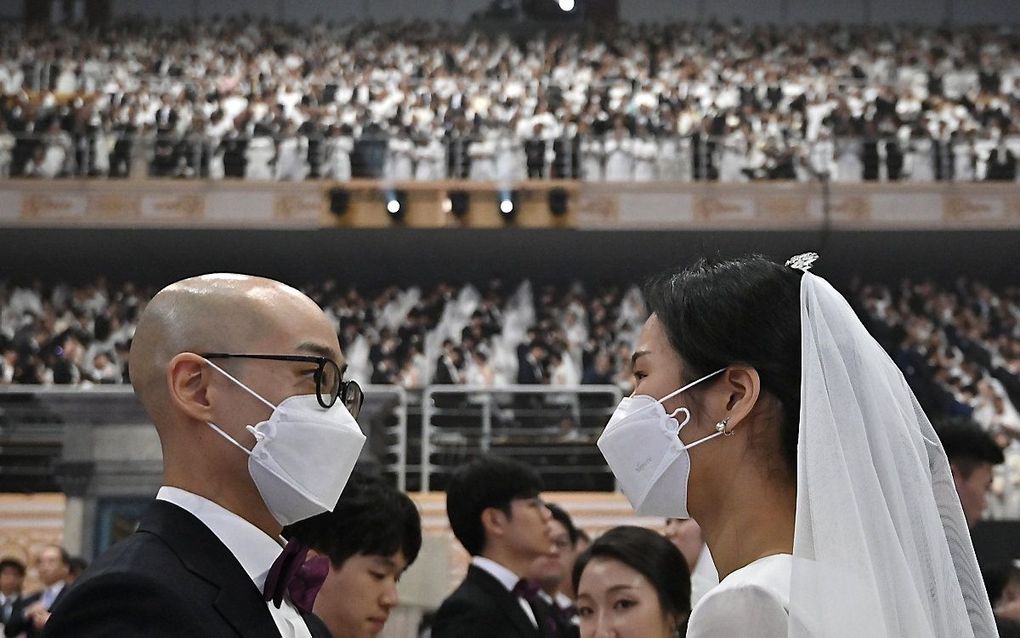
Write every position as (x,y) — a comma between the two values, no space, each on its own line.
(742,311)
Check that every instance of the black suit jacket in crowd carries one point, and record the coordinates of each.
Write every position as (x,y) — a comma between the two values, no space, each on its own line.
(173,577)
(18,623)
(482,606)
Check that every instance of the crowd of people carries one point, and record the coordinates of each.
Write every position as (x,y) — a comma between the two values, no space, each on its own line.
(231,98)
(211,544)
(958,345)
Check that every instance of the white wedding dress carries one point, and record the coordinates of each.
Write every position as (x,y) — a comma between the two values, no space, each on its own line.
(757,595)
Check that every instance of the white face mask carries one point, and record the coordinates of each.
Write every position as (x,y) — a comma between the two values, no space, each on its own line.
(303,455)
(642,445)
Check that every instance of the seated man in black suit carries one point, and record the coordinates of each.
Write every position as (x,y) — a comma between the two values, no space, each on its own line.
(495,512)
(30,614)
(242,379)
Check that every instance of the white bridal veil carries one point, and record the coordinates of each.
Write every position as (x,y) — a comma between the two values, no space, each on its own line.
(881,548)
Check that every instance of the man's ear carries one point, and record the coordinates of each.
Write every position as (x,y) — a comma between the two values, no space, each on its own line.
(188,378)
(494,522)
(742,387)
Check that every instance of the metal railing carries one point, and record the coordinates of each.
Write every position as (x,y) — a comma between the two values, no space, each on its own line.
(531,421)
(690,158)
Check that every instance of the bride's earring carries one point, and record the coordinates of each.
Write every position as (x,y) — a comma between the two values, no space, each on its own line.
(720,427)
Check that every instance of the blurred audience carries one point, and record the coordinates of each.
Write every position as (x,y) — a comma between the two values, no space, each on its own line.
(233,98)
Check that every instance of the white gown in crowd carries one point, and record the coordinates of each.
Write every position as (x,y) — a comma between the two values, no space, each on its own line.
(668,163)
(510,161)
(55,158)
(733,156)
(430,160)
(592,155)
(483,159)
(7,142)
(963,162)
(260,153)
(920,161)
(400,160)
(619,159)
(292,158)
(849,167)
(102,148)
(338,153)
(881,548)
(646,152)
(822,158)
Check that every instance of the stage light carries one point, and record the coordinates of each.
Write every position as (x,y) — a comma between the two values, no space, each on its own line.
(458,202)
(558,202)
(396,204)
(566,5)
(339,200)
(508,205)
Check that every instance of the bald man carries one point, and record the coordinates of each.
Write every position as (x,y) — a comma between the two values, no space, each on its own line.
(242,379)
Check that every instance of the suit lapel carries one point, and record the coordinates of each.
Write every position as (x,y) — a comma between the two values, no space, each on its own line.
(202,553)
(504,600)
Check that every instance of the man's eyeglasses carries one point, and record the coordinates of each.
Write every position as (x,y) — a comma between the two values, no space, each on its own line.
(328,385)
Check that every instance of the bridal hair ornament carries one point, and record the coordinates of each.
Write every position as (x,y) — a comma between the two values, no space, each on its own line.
(803,261)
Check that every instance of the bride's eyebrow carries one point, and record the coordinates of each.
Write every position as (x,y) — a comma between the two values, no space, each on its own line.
(637,355)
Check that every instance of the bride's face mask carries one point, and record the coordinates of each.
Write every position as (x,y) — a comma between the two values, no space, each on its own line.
(642,445)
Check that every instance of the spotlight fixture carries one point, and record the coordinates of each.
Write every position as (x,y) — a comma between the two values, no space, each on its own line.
(566,6)
(507,200)
(396,204)
(339,200)
(558,202)
(458,202)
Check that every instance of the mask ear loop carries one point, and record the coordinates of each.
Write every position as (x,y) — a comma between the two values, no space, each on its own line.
(678,411)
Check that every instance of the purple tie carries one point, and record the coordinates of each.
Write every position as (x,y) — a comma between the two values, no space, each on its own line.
(280,574)
(307,582)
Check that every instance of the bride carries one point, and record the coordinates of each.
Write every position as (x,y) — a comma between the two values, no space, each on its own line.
(764,410)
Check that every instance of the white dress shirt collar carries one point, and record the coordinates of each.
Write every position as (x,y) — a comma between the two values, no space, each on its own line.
(503,574)
(252,547)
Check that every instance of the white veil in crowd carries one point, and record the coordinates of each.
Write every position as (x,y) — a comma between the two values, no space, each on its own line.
(881,547)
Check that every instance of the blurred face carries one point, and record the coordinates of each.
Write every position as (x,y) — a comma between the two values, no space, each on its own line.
(10,581)
(615,601)
(526,531)
(549,569)
(52,568)
(356,598)
(685,534)
(973,491)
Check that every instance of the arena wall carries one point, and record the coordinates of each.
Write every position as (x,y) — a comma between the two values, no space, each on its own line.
(754,11)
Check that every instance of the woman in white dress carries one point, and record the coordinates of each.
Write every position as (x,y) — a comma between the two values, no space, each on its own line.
(764,410)
(400,163)
(338,152)
(849,167)
(619,149)
(920,161)
(482,151)
(734,152)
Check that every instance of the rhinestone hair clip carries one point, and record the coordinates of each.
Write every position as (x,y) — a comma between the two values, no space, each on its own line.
(802,262)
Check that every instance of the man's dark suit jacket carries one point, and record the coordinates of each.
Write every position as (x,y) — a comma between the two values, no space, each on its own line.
(19,624)
(173,577)
(481,606)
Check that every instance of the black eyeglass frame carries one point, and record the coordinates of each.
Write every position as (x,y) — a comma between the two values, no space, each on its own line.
(349,391)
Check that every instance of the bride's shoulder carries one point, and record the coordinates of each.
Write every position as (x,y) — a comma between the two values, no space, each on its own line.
(740,611)
(756,596)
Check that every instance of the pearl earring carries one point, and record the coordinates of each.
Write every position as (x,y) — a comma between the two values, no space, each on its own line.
(720,427)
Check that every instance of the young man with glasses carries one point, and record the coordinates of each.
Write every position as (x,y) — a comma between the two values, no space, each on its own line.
(497,514)
(242,377)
